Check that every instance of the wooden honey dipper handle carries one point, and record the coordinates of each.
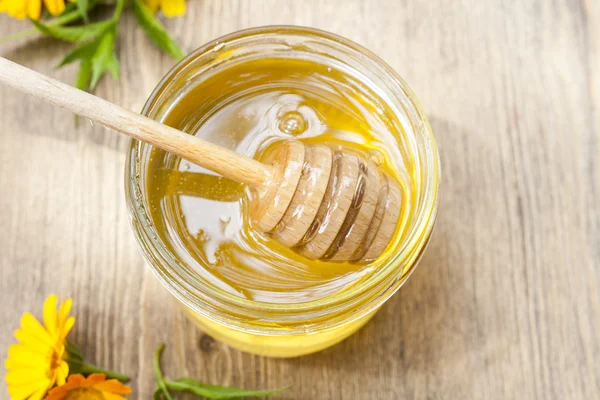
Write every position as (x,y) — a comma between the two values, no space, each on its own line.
(226,162)
(325,204)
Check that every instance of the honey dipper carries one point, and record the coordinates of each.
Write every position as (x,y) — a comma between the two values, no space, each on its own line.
(324,203)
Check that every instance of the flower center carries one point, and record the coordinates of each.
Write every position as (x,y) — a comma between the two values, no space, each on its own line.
(54,361)
(84,394)
(54,365)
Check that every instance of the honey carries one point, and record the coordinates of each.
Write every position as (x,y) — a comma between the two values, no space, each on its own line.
(247,91)
(203,217)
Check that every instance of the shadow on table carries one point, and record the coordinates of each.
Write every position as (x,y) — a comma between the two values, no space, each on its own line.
(417,330)
(412,321)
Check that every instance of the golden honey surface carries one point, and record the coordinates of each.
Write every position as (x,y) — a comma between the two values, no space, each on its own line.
(202,218)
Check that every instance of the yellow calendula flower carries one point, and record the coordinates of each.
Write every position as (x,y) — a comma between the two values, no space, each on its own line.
(31,8)
(94,387)
(38,362)
(171,8)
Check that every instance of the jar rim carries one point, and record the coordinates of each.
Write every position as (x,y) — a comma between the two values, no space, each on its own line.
(192,296)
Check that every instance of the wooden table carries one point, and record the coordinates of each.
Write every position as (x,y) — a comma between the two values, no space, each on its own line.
(506,302)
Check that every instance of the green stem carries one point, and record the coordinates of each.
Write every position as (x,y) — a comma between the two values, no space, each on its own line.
(160,379)
(87,369)
(59,21)
(118,10)
(18,35)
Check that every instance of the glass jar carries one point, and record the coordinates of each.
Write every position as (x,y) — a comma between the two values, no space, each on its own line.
(290,329)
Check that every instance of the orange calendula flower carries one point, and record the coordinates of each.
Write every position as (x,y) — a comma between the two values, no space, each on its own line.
(171,8)
(38,362)
(31,8)
(94,387)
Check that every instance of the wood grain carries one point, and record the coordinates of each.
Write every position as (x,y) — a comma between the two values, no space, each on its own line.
(506,301)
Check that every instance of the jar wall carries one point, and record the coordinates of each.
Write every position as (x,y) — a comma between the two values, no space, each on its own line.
(278,330)
(292,345)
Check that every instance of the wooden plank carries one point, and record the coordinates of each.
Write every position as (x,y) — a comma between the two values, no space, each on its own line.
(505,303)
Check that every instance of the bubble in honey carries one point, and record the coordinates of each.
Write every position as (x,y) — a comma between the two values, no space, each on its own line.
(224,222)
(201,236)
(293,123)
(377,157)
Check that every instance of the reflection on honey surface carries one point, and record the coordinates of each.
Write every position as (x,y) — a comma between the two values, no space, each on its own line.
(202,217)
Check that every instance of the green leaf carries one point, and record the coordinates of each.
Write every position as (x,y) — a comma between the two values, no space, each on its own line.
(83,80)
(119,6)
(74,33)
(71,7)
(155,30)
(74,358)
(104,57)
(66,18)
(82,6)
(114,67)
(77,365)
(73,351)
(101,55)
(88,369)
(216,391)
(85,72)
(45,14)
(199,388)
(160,379)
(84,51)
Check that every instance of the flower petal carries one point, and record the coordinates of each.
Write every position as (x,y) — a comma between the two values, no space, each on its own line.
(25,376)
(152,4)
(113,386)
(110,396)
(79,387)
(50,316)
(173,8)
(33,342)
(15,9)
(62,373)
(95,378)
(39,394)
(76,380)
(65,308)
(34,9)
(67,328)
(18,392)
(20,354)
(24,363)
(55,7)
(36,363)
(31,325)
